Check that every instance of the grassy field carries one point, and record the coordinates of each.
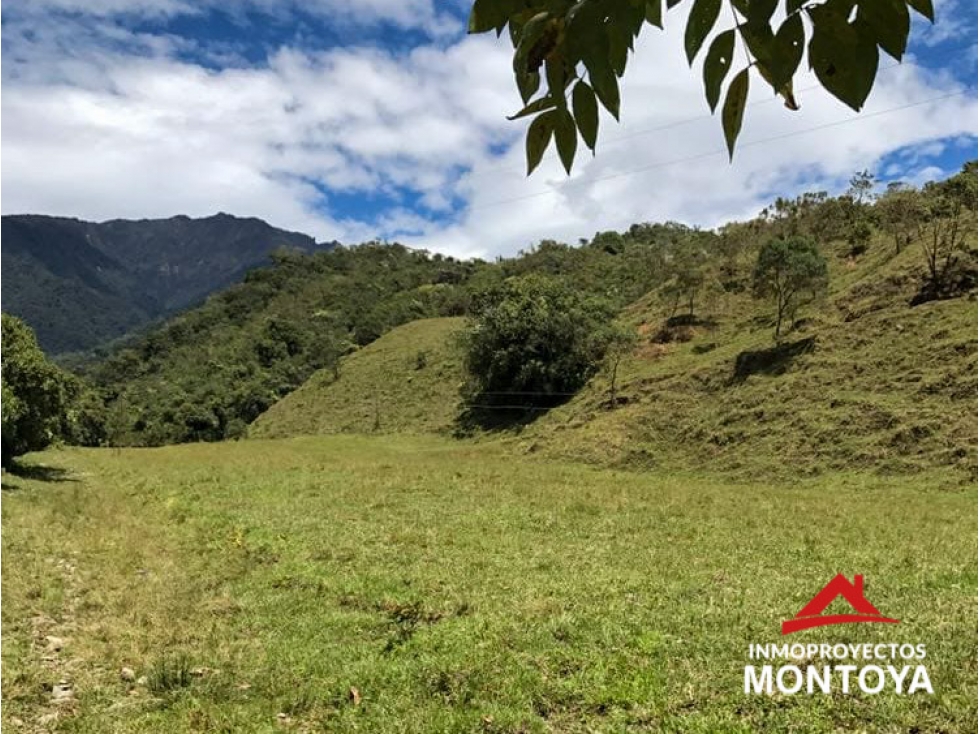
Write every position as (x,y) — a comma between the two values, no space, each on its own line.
(400,584)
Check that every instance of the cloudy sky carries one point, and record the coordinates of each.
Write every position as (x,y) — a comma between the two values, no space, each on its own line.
(356,119)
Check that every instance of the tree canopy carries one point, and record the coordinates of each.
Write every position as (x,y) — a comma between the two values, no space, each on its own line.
(579,49)
(790,272)
(36,394)
(534,340)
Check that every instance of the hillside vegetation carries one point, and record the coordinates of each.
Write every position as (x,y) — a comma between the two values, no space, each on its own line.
(871,365)
(406,381)
(208,373)
(78,284)
(864,381)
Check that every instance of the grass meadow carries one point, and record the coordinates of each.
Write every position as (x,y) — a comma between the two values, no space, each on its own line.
(405,584)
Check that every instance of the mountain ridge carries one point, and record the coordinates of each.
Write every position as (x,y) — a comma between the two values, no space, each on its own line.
(79,283)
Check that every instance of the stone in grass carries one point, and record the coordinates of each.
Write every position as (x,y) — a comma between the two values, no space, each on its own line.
(128,675)
(62,692)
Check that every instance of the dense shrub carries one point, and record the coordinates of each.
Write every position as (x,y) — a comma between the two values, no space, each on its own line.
(532,341)
(36,393)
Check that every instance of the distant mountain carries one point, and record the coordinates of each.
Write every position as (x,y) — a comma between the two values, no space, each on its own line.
(78,284)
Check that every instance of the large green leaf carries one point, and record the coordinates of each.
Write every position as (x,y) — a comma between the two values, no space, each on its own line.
(618,49)
(606,86)
(566,137)
(557,79)
(759,12)
(538,137)
(701,22)
(540,104)
(786,51)
(585,113)
(843,55)
(720,55)
(890,22)
(733,113)
(654,13)
(537,38)
(489,15)
(627,17)
(924,7)
(527,84)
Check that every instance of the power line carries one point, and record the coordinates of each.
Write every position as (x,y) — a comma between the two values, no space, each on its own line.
(720,151)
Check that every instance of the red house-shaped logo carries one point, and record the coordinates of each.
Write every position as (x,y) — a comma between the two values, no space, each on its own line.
(811,615)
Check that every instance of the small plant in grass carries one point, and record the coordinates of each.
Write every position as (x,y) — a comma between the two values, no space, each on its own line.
(169,674)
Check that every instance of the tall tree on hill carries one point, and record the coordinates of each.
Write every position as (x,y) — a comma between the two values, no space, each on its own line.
(532,341)
(791,272)
(901,211)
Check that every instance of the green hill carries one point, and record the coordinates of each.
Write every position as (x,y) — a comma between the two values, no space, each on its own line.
(406,381)
(877,375)
(864,382)
(208,373)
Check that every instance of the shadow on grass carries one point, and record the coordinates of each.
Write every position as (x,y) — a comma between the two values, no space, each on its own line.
(35,472)
(504,411)
(772,361)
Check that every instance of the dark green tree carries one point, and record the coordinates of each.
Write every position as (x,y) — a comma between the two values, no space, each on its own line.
(533,340)
(791,272)
(36,393)
(901,212)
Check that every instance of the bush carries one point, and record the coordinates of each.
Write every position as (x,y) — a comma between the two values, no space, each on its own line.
(36,394)
(532,341)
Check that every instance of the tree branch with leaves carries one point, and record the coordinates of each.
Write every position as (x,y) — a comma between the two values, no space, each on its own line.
(578,50)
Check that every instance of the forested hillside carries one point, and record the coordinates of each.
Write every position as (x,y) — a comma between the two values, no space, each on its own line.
(207,373)
(78,284)
(704,382)
(692,368)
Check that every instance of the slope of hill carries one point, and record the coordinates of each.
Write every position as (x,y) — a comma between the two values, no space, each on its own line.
(79,283)
(210,371)
(206,373)
(406,381)
(864,382)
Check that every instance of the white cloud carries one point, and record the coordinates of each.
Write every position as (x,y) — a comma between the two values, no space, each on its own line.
(101,129)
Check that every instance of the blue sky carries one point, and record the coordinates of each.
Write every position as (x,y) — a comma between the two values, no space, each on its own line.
(381,118)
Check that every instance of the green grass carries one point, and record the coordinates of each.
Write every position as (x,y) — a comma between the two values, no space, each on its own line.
(408,379)
(413,584)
